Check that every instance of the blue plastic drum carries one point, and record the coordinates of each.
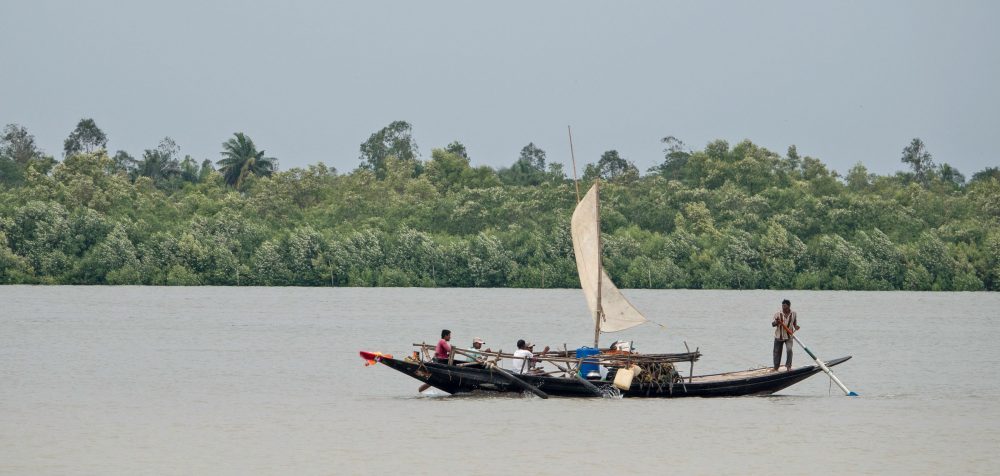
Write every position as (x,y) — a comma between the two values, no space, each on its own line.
(588,368)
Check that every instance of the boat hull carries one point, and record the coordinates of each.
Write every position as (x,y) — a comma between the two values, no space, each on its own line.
(456,379)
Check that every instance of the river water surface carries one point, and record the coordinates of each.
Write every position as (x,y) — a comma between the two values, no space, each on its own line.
(150,380)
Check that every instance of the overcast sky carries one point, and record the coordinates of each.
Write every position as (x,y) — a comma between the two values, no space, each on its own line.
(310,80)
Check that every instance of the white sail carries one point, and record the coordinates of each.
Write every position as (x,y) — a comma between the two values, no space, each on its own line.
(619,314)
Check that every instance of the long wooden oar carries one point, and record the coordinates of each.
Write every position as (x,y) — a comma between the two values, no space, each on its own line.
(519,383)
(819,362)
(589,386)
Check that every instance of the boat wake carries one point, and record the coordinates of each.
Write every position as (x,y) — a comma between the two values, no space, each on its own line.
(609,391)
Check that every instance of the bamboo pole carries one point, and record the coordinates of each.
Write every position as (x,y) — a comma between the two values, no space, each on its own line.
(593,388)
(520,383)
(820,363)
(573,156)
(602,359)
(691,370)
(600,266)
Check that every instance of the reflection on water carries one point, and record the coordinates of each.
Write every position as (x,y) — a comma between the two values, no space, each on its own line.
(268,380)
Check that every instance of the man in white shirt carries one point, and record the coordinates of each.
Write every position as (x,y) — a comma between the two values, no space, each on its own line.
(522,362)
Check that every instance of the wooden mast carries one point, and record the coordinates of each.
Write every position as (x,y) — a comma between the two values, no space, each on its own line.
(599,312)
(573,156)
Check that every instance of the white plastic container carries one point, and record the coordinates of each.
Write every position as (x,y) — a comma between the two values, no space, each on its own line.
(623,379)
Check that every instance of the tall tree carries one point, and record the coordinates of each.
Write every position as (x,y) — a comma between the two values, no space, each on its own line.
(87,137)
(122,162)
(10,173)
(207,167)
(528,169)
(394,140)
(18,152)
(951,175)
(986,174)
(793,158)
(532,156)
(611,167)
(674,158)
(190,171)
(160,164)
(240,159)
(858,177)
(446,170)
(919,159)
(458,149)
(18,145)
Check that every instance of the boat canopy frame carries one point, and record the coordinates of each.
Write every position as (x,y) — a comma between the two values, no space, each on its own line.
(563,360)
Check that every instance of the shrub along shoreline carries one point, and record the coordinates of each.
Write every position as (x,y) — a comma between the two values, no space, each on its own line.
(739,217)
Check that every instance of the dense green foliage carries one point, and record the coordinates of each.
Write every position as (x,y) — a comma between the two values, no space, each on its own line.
(723,217)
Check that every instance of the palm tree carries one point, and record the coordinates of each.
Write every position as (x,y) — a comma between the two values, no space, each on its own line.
(157,165)
(240,159)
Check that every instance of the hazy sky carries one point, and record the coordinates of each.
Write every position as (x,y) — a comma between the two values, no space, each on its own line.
(310,80)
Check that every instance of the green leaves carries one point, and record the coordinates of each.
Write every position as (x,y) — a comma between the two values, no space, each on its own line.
(395,140)
(86,137)
(241,159)
(114,258)
(722,217)
(160,164)
(919,159)
(611,167)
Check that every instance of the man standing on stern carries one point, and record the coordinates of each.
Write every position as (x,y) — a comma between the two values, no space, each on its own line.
(787,317)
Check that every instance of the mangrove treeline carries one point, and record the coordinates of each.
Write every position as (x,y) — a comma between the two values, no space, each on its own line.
(726,216)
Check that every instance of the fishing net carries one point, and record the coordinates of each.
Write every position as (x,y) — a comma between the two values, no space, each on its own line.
(657,375)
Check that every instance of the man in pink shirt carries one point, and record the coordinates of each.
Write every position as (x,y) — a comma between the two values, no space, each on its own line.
(441,353)
(443,349)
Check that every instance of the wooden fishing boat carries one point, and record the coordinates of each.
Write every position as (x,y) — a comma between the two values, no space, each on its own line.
(460,378)
(592,371)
